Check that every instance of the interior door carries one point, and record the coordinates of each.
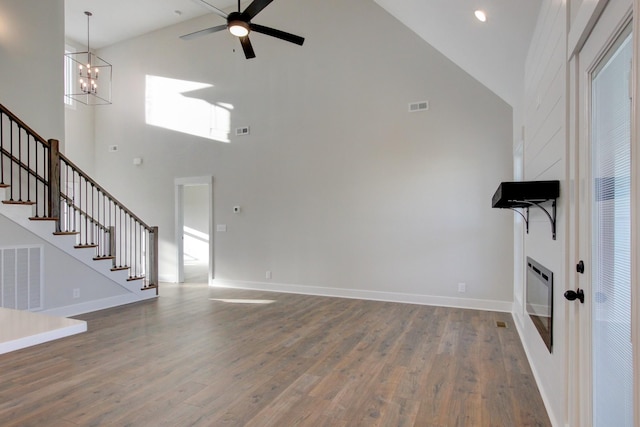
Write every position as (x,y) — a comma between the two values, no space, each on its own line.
(196,226)
(605,355)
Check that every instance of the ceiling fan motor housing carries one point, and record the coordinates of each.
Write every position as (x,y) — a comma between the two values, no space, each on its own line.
(237,24)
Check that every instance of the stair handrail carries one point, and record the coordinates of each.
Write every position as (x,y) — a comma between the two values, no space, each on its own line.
(102,190)
(152,272)
(49,176)
(23,125)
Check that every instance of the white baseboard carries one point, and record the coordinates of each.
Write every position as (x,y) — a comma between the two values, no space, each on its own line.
(476,304)
(168,278)
(101,304)
(518,321)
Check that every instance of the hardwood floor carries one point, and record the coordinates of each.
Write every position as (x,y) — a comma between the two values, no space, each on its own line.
(220,357)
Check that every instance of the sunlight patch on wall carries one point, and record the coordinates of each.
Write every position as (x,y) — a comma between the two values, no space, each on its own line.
(196,246)
(172,104)
(4,27)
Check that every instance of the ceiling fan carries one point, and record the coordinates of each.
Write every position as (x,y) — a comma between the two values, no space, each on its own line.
(239,24)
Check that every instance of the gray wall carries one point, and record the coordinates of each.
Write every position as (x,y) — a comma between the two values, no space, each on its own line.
(31,58)
(341,187)
(196,218)
(196,211)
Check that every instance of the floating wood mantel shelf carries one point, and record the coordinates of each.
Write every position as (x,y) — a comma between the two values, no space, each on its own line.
(524,194)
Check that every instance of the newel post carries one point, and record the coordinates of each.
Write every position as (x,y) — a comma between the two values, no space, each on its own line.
(153,257)
(54,181)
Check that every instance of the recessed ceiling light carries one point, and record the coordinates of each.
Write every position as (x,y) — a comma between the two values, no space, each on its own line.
(482,17)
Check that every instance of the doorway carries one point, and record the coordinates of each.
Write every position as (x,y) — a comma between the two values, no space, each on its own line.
(604,372)
(194,226)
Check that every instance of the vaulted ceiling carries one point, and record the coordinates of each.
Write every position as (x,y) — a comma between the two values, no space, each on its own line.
(493,52)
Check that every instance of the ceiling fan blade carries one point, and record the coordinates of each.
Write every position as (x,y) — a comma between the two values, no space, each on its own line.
(212,8)
(204,32)
(246,46)
(254,8)
(277,33)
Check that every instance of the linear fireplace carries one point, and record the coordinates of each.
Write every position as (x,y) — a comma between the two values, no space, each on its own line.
(540,299)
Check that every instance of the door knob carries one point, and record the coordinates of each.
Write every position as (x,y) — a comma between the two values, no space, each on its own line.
(572,295)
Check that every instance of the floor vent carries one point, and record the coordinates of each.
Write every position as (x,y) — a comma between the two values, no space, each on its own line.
(21,278)
(501,324)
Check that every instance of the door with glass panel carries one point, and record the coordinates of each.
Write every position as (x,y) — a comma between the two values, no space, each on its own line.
(605,222)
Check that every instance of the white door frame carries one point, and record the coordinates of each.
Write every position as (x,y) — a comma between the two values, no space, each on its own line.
(578,363)
(179,184)
(635,208)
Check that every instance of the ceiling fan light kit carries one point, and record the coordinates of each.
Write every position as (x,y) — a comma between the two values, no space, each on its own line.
(238,27)
(239,24)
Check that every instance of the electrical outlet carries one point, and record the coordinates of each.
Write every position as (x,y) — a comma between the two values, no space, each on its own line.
(268,274)
(76,292)
(462,287)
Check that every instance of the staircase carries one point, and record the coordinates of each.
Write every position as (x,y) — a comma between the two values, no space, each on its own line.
(44,192)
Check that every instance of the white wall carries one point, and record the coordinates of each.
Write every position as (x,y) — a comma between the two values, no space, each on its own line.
(493,52)
(196,223)
(196,209)
(545,159)
(341,187)
(573,8)
(31,58)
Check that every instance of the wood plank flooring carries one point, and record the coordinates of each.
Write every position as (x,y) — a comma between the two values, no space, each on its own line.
(221,357)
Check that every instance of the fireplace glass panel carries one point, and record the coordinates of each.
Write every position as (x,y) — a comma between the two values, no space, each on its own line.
(540,299)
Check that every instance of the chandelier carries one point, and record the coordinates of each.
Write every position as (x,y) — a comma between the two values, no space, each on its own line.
(90,81)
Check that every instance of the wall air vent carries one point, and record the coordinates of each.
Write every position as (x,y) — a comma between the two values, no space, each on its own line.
(418,106)
(244,130)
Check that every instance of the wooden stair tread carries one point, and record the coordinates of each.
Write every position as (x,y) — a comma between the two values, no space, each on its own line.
(18,202)
(149,287)
(122,267)
(65,233)
(43,218)
(131,279)
(87,246)
(4,186)
(102,258)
